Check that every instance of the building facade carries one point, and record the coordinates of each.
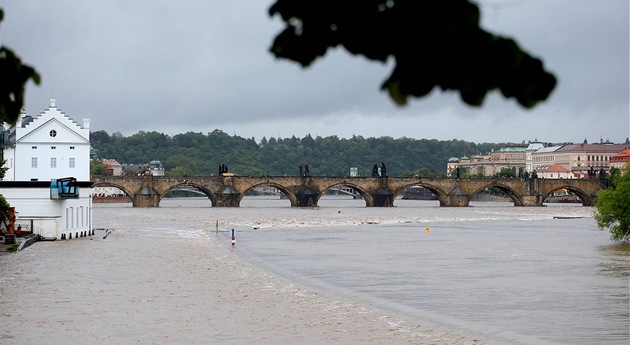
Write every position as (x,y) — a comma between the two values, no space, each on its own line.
(38,151)
(560,161)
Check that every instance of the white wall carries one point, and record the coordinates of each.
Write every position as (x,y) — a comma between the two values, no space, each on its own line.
(57,217)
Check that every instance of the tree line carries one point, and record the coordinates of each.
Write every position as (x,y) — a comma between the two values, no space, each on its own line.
(196,154)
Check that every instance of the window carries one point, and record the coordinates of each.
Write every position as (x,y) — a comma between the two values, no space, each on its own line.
(34,147)
(34,162)
(53,162)
(53,147)
(71,162)
(53,133)
(71,147)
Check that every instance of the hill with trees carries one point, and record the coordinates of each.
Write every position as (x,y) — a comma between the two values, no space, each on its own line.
(195,154)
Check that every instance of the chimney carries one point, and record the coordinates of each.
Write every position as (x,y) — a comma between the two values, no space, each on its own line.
(86,123)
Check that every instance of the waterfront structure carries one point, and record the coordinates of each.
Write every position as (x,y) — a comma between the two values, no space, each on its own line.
(39,151)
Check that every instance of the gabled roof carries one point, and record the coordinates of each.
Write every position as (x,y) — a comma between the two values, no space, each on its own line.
(557,168)
(52,118)
(45,128)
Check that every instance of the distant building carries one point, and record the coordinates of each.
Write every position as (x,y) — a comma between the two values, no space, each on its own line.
(39,151)
(113,167)
(512,156)
(578,159)
(555,171)
(621,159)
(156,169)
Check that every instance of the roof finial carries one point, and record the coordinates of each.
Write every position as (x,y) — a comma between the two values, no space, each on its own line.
(52,103)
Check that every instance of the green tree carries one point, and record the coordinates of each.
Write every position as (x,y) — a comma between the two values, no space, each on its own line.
(613,206)
(434,44)
(506,173)
(15,75)
(97,167)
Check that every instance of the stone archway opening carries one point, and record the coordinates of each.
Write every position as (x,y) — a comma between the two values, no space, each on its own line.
(495,195)
(111,193)
(568,195)
(275,195)
(187,191)
(420,194)
(343,195)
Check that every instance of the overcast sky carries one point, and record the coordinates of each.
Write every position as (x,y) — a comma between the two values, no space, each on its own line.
(182,66)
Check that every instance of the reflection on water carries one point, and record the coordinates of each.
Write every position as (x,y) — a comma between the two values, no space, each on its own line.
(615,259)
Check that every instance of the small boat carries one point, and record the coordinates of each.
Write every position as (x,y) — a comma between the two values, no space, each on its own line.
(566,217)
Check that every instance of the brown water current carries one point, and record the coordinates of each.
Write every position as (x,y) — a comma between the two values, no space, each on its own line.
(169,275)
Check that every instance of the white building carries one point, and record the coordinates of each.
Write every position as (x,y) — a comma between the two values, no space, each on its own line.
(41,149)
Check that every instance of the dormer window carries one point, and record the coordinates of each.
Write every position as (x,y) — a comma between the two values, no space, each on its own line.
(53,133)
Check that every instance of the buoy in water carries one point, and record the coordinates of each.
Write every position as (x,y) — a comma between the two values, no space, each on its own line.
(426,230)
(233,238)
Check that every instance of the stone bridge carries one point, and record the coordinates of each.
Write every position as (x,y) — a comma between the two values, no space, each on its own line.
(228,191)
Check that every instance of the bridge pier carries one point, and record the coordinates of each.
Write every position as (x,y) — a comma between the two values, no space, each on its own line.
(227,197)
(146,197)
(383,197)
(458,197)
(306,197)
(531,200)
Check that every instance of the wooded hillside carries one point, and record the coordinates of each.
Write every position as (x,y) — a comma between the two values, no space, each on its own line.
(191,154)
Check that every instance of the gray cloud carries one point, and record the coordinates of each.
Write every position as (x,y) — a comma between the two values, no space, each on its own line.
(198,66)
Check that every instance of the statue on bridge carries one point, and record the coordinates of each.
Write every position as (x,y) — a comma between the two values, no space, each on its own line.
(375,171)
(304,172)
(223,169)
(383,170)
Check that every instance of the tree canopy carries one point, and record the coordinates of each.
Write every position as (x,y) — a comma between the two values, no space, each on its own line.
(613,205)
(189,154)
(434,44)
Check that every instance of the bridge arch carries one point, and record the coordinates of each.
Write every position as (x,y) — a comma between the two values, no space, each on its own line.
(439,193)
(506,189)
(115,185)
(289,193)
(587,200)
(190,185)
(364,194)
